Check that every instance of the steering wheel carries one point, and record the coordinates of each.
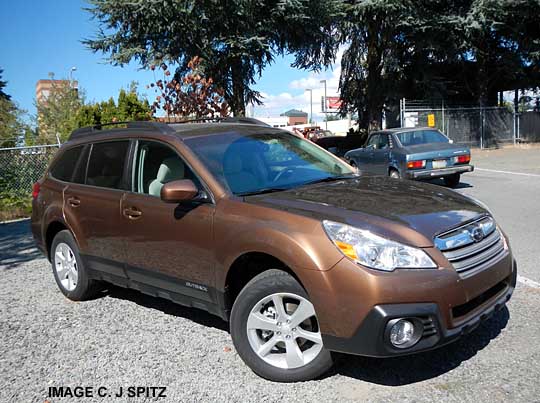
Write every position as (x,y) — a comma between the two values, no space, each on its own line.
(282,173)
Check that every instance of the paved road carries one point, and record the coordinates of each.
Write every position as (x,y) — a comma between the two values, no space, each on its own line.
(125,338)
(508,181)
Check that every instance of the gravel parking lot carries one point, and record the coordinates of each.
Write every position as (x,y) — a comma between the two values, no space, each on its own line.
(124,338)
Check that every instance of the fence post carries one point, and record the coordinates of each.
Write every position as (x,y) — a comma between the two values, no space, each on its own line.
(401,107)
(481,127)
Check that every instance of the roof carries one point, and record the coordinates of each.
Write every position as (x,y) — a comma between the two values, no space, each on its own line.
(187,129)
(403,129)
(294,113)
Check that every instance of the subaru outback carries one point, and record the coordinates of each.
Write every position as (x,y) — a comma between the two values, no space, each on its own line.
(300,253)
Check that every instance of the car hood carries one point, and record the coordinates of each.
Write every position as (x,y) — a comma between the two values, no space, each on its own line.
(406,211)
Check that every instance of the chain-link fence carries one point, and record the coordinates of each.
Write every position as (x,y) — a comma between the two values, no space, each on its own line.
(21,167)
(477,127)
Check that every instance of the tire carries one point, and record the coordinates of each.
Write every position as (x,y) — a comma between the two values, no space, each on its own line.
(394,173)
(304,359)
(71,276)
(452,181)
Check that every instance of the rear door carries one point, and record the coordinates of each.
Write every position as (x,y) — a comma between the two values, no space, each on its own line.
(92,207)
(168,245)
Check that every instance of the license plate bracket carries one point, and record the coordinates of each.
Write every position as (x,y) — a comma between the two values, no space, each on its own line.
(438,164)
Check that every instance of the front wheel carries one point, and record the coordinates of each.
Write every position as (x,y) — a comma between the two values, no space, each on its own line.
(275,330)
(452,180)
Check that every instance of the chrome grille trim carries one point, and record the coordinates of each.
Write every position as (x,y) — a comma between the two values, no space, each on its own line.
(468,256)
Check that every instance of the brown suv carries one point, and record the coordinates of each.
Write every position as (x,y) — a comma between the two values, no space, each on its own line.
(299,252)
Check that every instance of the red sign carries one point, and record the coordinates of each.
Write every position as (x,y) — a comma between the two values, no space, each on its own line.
(333,103)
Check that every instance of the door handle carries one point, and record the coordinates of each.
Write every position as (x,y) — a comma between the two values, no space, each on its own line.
(132,213)
(74,202)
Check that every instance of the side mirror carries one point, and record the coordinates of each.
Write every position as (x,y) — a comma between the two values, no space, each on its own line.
(178,191)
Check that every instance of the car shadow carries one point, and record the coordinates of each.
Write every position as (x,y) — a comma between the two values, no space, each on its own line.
(16,245)
(398,371)
(394,371)
(168,307)
(440,182)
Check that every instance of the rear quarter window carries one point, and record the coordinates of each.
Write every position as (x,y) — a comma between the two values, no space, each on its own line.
(64,168)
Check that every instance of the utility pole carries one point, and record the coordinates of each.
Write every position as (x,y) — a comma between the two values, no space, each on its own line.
(310,105)
(324,106)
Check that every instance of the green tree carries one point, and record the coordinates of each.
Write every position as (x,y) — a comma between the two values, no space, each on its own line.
(57,114)
(12,125)
(237,38)
(130,106)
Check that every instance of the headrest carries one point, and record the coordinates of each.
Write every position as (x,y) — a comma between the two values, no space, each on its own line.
(170,169)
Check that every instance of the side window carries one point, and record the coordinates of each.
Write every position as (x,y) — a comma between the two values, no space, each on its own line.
(156,164)
(373,141)
(106,165)
(66,165)
(383,142)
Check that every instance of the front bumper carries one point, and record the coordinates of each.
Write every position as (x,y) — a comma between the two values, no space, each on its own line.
(372,336)
(437,173)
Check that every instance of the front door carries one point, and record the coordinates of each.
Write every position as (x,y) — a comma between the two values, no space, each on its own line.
(168,245)
(380,155)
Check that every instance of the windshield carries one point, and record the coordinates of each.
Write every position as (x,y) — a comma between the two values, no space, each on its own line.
(265,161)
(421,137)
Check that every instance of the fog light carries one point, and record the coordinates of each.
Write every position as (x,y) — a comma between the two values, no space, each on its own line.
(403,334)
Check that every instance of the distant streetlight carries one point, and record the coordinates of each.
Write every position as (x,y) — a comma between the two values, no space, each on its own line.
(324,106)
(310,104)
(71,75)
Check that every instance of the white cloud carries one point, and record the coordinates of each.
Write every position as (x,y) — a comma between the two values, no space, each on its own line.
(298,97)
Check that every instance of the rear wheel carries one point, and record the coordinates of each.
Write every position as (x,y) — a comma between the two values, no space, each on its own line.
(68,268)
(394,173)
(452,180)
(275,330)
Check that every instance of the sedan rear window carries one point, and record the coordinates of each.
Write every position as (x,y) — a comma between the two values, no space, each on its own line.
(414,137)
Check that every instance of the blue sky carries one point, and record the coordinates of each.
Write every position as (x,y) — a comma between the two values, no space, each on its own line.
(45,36)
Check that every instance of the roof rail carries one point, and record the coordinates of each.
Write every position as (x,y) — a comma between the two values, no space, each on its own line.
(225,119)
(155,126)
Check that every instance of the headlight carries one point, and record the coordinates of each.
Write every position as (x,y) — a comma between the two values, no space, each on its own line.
(373,251)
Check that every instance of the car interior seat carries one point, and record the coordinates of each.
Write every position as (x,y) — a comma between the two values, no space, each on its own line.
(171,169)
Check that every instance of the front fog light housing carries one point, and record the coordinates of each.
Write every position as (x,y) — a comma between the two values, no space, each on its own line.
(404,333)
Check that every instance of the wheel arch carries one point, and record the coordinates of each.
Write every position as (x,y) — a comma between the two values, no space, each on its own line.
(245,267)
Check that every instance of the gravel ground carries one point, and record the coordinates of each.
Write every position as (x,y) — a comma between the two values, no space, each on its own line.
(124,338)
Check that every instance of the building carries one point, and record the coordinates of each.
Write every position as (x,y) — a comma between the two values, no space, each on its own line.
(45,87)
(295,117)
(275,122)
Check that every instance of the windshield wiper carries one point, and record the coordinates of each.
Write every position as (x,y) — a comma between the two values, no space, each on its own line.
(330,179)
(261,191)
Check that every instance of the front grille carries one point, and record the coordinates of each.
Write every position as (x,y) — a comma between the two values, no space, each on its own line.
(467,254)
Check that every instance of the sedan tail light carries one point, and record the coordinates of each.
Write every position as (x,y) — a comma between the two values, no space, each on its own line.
(35,190)
(462,159)
(416,164)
